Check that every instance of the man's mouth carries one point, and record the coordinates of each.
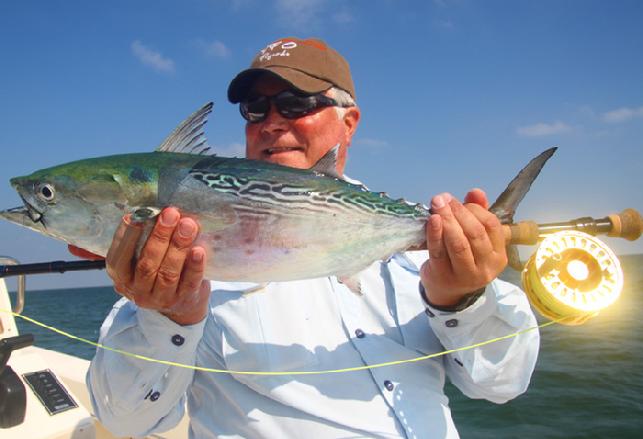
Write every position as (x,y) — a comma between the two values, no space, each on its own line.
(281,150)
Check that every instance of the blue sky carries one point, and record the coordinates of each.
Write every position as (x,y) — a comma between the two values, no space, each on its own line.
(454,93)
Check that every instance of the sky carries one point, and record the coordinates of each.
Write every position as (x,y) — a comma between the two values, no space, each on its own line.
(454,94)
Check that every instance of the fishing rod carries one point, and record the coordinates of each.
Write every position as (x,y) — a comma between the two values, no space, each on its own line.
(49,267)
(570,278)
(628,224)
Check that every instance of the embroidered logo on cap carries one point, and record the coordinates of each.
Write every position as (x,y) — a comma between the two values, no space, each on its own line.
(278,48)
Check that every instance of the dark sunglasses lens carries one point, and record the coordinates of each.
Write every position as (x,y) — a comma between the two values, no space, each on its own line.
(292,106)
(255,110)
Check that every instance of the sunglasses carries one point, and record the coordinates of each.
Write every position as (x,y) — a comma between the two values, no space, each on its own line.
(289,105)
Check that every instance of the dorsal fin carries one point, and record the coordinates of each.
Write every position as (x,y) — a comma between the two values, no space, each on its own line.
(188,137)
(327,165)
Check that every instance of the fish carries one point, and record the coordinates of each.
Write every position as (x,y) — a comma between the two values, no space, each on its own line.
(259,222)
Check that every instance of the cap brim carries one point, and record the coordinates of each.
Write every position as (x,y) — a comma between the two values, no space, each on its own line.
(243,82)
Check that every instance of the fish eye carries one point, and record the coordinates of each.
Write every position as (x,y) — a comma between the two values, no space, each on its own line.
(46,192)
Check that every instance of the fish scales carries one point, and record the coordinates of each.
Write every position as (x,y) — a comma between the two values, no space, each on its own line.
(258,221)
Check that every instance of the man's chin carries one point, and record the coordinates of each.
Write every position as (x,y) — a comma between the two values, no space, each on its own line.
(292,159)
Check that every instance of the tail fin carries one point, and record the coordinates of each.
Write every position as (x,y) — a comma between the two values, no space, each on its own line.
(505,206)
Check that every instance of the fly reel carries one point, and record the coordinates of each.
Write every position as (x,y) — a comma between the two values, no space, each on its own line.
(571,277)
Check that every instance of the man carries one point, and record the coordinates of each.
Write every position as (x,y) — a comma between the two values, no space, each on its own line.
(298,101)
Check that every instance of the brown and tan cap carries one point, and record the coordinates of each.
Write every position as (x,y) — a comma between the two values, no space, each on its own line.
(309,65)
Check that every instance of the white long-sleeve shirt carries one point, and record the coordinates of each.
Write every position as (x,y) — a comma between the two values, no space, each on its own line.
(316,324)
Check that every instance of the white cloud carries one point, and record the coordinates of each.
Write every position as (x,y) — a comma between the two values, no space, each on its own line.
(152,58)
(234,149)
(622,114)
(543,129)
(298,14)
(371,142)
(215,49)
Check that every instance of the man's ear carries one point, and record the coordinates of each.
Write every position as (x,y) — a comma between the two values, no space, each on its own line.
(351,120)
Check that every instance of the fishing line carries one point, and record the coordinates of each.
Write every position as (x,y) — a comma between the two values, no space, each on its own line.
(243,372)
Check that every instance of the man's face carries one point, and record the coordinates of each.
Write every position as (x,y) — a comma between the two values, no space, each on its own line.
(298,143)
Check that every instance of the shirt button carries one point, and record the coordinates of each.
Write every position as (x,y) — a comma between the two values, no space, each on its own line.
(428,312)
(154,396)
(451,323)
(359,333)
(389,385)
(178,340)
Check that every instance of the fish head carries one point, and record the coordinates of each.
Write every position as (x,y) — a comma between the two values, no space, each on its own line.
(80,203)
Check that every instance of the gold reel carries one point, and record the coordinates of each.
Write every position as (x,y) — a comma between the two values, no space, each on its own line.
(571,277)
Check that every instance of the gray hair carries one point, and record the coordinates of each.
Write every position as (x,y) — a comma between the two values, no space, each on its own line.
(343,98)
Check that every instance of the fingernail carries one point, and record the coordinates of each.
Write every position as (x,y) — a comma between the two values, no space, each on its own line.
(169,217)
(197,255)
(437,202)
(186,228)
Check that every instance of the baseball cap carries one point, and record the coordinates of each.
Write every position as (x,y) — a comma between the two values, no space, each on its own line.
(309,65)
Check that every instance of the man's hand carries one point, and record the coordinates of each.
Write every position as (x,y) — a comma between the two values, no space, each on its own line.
(168,275)
(466,248)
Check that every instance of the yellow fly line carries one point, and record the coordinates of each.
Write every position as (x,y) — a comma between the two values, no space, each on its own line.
(245,372)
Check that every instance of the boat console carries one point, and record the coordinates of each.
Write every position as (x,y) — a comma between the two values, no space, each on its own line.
(43,394)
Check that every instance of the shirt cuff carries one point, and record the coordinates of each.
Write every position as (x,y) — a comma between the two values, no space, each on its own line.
(167,335)
(465,302)
(455,322)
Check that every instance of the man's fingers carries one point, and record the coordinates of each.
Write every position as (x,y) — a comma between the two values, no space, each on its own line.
(455,242)
(170,271)
(474,231)
(121,252)
(492,225)
(154,250)
(193,271)
(477,196)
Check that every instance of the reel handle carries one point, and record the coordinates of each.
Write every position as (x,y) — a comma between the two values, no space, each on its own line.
(628,224)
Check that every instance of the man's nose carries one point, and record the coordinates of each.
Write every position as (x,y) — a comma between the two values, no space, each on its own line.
(274,121)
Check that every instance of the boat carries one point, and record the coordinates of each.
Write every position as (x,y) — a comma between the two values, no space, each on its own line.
(43,394)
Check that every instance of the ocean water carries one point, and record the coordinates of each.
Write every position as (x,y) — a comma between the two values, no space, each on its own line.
(588,381)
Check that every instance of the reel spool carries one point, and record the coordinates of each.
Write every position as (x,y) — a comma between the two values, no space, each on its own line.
(571,277)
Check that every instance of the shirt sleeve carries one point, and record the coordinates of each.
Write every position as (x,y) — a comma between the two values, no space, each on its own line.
(134,397)
(497,371)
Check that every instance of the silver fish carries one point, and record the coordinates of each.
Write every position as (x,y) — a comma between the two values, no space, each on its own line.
(259,221)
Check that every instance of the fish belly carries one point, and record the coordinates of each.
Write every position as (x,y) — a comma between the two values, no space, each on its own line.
(253,233)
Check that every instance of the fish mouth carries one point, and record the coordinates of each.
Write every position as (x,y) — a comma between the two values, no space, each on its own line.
(20,214)
(31,211)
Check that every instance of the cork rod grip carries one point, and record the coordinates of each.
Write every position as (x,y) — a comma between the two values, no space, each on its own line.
(628,224)
(521,233)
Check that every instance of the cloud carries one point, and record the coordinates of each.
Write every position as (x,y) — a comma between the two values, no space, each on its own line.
(543,129)
(622,114)
(299,14)
(371,143)
(215,49)
(152,58)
